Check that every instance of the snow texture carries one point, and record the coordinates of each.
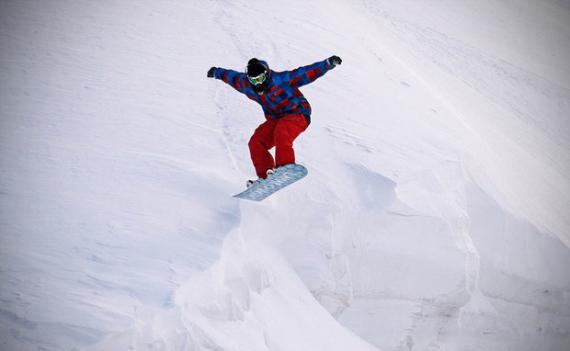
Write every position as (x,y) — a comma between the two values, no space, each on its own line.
(434,216)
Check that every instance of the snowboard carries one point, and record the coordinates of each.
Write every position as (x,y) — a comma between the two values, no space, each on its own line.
(283,176)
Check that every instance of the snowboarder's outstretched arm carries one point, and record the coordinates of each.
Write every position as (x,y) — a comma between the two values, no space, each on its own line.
(308,74)
(236,79)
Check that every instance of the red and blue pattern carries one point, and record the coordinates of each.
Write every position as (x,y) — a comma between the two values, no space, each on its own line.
(282,95)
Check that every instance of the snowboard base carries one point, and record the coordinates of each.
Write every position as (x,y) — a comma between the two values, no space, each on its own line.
(283,176)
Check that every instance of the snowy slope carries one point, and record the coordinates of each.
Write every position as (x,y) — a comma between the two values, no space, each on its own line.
(434,216)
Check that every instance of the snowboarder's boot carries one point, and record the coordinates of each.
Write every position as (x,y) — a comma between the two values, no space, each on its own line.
(250,182)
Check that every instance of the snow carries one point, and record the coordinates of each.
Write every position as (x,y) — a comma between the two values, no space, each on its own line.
(434,216)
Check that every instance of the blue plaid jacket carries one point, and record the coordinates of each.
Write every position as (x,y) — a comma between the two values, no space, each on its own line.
(282,96)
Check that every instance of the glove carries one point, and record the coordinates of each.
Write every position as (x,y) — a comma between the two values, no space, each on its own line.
(211,72)
(334,60)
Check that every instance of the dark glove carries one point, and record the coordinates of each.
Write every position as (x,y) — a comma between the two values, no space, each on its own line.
(334,60)
(211,72)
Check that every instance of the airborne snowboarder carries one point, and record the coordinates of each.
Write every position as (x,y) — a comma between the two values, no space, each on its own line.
(287,111)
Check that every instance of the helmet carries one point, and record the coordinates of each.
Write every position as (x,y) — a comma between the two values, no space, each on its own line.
(257,73)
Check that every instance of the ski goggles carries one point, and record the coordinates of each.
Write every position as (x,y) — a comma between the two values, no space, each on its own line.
(258,80)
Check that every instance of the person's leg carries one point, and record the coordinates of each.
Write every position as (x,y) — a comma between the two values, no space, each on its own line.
(261,141)
(287,130)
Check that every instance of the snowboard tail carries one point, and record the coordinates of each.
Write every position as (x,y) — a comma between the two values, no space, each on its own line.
(283,176)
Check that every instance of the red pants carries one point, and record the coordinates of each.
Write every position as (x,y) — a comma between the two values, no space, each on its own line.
(279,133)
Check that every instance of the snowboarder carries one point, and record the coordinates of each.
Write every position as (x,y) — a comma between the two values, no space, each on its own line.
(287,111)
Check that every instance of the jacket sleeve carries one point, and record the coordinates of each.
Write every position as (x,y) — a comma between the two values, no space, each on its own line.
(308,74)
(236,79)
